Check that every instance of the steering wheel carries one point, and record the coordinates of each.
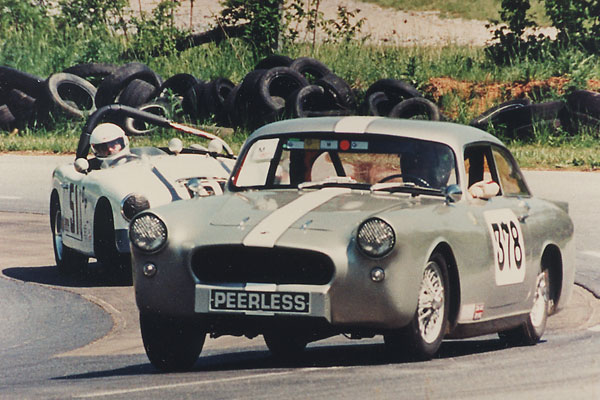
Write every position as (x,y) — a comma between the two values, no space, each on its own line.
(122,159)
(419,180)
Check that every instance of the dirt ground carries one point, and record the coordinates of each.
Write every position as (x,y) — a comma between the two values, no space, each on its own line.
(385,26)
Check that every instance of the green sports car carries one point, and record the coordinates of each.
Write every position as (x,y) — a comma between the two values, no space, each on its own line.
(363,226)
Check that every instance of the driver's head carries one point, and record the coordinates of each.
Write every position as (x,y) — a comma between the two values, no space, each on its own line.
(430,162)
(108,141)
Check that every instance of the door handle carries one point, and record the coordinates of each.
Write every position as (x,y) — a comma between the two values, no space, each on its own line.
(523,217)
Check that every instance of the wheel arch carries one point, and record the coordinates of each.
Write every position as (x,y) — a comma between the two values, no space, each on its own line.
(446,252)
(552,261)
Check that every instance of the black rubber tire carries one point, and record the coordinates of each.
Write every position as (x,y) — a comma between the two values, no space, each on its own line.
(396,90)
(245,108)
(416,108)
(70,95)
(87,70)
(305,100)
(276,84)
(105,248)
(29,84)
(140,128)
(377,104)
(68,261)
(339,91)
(192,102)
(137,92)
(114,83)
(285,344)
(272,61)
(530,332)
(311,68)
(490,116)
(583,110)
(409,341)
(22,106)
(7,119)
(171,344)
(214,94)
(230,116)
(179,84)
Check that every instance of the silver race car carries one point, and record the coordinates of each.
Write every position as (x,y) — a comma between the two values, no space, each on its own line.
(92,201)
(363,226)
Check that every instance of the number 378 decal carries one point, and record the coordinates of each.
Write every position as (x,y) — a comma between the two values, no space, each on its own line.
(509,246)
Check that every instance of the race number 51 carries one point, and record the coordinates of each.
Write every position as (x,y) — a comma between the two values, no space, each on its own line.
(509,247)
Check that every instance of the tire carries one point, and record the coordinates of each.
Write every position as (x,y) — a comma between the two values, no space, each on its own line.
(520,122)
(489,116)
(139,128)
(339,91)
(7,119)
(305,100)
(114,83)
(416,108)
(192,102)
(22,106)
(532,330)
(68,261)
(284,344)
(29,84)
(230,115)
(105,248)
(377,104)
(275,86)
(583,110)
(272,61)
(311,68)
(394,89)
(214,95)
(422,340)
(92,70)
(171,344)
(70,95)
(137,92)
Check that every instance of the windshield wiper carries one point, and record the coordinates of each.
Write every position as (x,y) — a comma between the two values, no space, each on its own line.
(346,181)
(409,187)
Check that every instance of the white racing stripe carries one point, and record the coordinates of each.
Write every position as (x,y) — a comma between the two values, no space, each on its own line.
(266,233)
(354,124)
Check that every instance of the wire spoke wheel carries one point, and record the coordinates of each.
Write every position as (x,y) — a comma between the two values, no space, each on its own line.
(430,309)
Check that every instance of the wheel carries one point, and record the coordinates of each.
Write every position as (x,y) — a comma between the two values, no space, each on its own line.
(171,344)
(137,92)
(408,176)
(311,68)
(284,344)
(67,260)
(338,90)
(105,248)
(532,330)
(113,84)
(394,89)
(423,336)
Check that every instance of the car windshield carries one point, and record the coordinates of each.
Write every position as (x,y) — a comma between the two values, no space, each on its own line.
(313,161)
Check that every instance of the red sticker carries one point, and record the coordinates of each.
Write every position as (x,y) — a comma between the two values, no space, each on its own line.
(344,145)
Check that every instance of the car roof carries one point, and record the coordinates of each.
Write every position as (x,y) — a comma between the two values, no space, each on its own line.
(453,134)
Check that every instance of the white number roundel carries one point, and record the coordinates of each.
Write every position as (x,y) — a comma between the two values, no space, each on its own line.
(509,247)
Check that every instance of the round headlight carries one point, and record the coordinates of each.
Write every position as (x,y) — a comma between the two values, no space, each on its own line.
(133,204)
(375,237)
(147,232)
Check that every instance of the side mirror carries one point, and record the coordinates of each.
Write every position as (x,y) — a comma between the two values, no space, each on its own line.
(81,165)
(175,146)
(453,194)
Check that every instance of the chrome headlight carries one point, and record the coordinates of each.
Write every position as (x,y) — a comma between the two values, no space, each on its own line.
(133,204)
(375,237)
(147,232)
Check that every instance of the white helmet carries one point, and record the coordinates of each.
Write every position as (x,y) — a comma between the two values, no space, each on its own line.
(109,141)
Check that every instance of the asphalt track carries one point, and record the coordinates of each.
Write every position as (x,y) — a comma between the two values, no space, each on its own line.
(79,338)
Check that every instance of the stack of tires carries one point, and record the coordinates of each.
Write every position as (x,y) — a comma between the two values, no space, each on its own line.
(278,87)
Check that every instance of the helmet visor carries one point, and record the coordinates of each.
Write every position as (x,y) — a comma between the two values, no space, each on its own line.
(109,148)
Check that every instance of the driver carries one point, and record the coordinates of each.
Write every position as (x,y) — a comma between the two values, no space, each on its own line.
(427,166)
(109,142)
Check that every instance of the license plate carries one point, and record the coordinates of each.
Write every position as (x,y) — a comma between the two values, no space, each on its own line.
(270,302)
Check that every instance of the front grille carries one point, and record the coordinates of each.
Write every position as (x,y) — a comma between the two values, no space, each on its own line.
(240,264)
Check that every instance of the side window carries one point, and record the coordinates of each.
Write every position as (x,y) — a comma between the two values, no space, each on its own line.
(511,179)
(477,165)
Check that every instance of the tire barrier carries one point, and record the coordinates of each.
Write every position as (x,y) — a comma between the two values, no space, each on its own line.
(278,87)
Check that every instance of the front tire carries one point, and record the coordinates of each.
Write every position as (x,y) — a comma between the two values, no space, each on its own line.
(68,261)
(105,248)
(532,330)
(171,344)
(422,338)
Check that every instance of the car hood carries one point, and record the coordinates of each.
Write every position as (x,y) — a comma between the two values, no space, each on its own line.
(268,214)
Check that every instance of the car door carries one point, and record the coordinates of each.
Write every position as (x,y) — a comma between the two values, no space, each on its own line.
(503,218)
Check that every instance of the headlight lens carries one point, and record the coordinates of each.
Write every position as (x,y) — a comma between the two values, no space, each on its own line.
(133,204)
(147,232)
(375,237)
